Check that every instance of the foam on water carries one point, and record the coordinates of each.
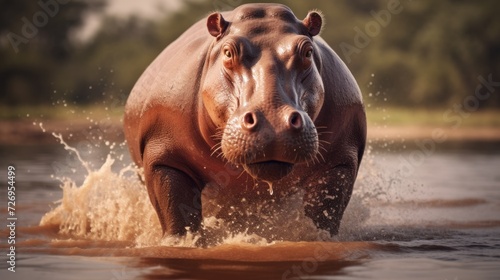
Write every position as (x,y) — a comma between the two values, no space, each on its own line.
(107,206)
(114,206)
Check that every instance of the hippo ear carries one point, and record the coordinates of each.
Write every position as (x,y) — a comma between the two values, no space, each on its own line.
(313,22)
(216,24)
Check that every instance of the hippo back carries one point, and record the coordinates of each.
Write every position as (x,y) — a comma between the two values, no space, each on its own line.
(167,85)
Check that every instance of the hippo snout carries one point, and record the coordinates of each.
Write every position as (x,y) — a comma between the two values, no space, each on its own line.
(293,120)
(269,145)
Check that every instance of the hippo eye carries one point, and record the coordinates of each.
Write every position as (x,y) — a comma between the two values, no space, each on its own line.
(309,54)
(228,53)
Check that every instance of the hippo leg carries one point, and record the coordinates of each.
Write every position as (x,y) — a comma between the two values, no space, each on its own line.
(176,199)
(327,195)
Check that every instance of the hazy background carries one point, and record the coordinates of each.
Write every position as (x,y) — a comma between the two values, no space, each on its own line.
(427,55)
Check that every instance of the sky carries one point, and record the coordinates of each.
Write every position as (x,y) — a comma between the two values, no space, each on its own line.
(125,8)
(144,8)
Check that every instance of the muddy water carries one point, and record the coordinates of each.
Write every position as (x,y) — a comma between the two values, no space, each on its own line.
(414,215)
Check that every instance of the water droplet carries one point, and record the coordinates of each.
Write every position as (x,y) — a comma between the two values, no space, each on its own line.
(270,187)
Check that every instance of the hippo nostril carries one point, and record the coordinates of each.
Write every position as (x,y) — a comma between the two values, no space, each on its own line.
(295,120)
(249,121)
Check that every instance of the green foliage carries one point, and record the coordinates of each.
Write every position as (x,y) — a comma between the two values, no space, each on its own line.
(429,54)
(35,42)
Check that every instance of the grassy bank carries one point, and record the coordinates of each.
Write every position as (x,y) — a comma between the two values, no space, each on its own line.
(378,116)
(394,116)
(420,123)
(60,112)
(23,124)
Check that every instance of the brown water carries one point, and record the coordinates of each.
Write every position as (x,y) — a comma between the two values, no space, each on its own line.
(411,217)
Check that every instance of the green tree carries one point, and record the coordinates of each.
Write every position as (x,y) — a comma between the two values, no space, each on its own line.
(35,40)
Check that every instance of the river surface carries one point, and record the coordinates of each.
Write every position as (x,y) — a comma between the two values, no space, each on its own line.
(428,211)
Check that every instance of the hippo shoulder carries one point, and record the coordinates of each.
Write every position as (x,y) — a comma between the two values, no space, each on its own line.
(340,85)
(168,89)
(173,78)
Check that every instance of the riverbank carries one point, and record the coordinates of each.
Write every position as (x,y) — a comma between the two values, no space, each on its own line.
(390,124)
(24,132)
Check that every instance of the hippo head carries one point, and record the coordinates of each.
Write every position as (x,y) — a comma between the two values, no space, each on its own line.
(262,89)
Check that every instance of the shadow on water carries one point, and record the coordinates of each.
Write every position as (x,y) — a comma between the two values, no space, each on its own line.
(215,269)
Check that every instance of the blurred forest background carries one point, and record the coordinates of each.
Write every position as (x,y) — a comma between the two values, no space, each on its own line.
(429,54)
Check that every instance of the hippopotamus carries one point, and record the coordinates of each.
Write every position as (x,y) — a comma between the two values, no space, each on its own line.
(251,104)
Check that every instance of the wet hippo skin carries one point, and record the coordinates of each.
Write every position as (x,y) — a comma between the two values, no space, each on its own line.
(245,97)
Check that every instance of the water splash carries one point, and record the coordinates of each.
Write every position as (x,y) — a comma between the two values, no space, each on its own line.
(113,205)
(71,149)
(107,206)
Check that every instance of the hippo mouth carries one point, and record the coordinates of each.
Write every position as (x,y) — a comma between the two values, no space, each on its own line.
(270,171)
